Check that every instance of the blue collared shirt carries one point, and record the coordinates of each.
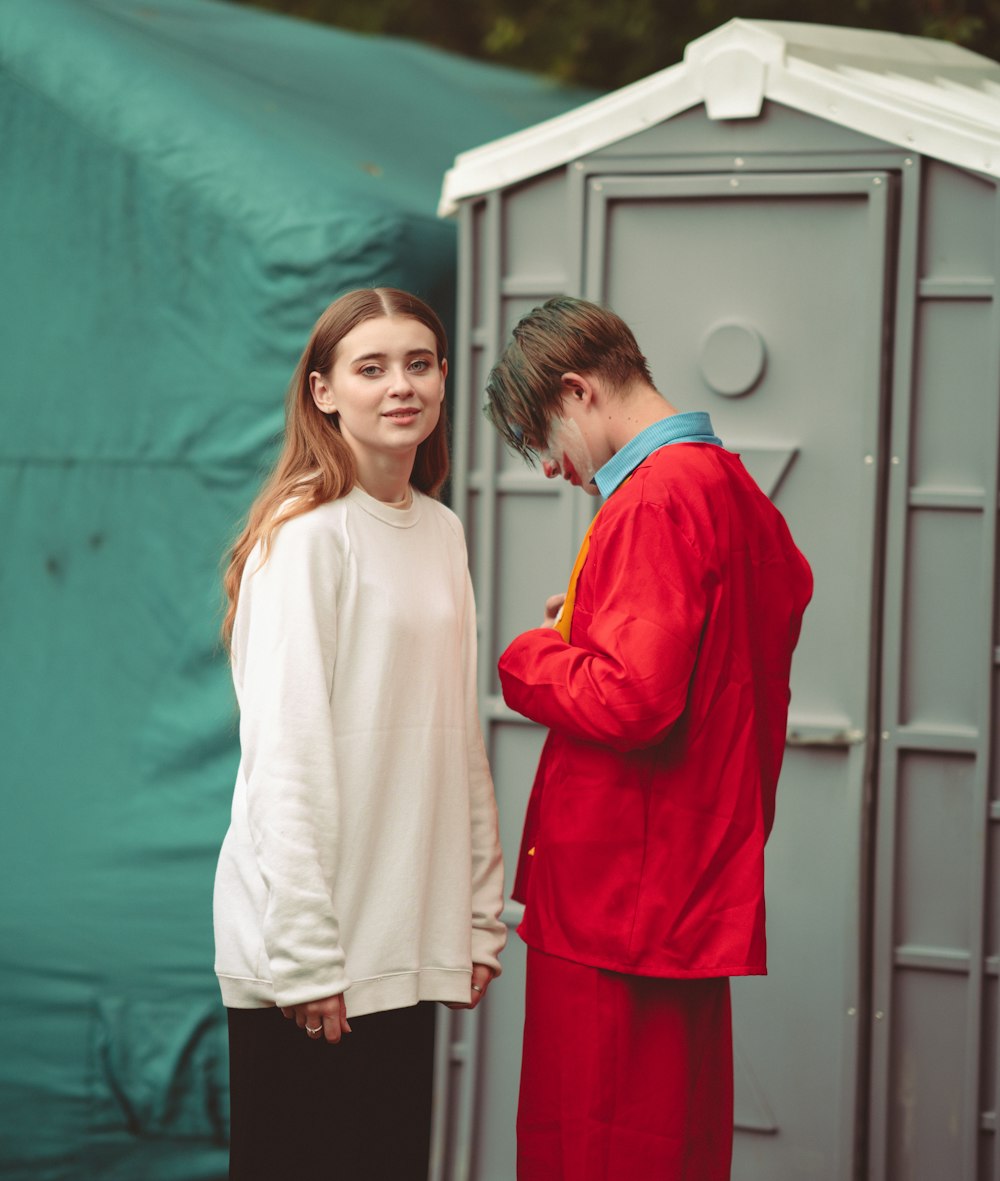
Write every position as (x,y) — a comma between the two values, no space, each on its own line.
(694,426)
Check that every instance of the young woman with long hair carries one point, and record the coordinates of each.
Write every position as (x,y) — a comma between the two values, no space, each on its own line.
(361,876)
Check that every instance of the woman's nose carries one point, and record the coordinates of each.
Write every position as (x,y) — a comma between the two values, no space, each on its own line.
(550,467)
(399,385)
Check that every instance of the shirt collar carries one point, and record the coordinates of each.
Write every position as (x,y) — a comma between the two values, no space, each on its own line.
(694,426)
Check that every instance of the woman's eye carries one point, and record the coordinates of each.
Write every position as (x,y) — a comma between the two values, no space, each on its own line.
(420,366)
(369,371)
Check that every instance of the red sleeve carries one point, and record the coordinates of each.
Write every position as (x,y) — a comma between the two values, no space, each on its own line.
(623,679)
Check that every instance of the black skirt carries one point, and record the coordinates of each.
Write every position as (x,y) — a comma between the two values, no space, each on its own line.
(303,1110)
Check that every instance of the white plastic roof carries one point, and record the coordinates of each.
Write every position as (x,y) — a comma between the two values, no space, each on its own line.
(929,96)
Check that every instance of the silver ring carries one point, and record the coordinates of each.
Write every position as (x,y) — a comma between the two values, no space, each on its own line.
(476,988)
(318,1029)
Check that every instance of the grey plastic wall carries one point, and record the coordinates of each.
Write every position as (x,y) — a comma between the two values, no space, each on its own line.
(937,850)
(866,276)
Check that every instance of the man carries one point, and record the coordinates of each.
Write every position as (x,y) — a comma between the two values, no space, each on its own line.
(663,681)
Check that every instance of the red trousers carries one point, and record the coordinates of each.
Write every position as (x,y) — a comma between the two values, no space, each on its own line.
(624,1078)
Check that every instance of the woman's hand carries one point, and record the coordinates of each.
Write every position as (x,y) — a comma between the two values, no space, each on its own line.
(324,1018)
(482,974)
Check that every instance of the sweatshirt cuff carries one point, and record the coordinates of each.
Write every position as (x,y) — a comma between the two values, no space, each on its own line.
(303,987)
(486,947)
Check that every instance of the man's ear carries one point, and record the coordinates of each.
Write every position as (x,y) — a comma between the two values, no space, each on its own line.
(579,386)
(322,395)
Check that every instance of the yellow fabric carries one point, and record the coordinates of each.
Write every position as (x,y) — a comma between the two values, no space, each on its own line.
(565,617)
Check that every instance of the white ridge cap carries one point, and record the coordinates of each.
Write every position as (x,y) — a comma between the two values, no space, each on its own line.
(924,95)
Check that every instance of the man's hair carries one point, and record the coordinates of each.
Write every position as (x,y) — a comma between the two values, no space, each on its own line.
(564,335)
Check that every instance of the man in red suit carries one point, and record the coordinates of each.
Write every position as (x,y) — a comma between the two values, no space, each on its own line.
(664,682)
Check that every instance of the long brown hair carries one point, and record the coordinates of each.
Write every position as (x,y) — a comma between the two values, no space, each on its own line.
(316,464)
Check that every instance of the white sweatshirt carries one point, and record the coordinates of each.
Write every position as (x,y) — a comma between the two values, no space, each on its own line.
(363,855)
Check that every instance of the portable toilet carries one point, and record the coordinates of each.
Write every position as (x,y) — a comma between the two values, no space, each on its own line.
(801,225)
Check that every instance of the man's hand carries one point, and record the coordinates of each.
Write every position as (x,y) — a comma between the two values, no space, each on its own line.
(553,605)
(324,1018)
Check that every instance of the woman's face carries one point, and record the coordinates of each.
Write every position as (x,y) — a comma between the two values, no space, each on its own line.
(386,386)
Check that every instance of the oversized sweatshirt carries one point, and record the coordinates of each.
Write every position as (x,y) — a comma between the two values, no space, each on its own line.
(362,855)
(643,849)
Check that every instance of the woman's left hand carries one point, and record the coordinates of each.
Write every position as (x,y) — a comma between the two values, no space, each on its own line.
(482,974)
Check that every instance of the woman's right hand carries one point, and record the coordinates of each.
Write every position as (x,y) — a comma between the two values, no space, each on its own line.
(324,1018)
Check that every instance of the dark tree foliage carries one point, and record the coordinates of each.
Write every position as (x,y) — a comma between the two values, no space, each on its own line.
(607,43)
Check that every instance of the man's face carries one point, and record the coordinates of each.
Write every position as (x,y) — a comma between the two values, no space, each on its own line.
(568,450)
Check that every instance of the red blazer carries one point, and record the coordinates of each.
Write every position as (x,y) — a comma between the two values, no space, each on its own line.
(643,849)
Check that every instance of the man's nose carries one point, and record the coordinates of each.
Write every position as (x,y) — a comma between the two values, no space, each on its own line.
(550,467)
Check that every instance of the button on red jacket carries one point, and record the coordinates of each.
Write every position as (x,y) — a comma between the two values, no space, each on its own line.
(643,849)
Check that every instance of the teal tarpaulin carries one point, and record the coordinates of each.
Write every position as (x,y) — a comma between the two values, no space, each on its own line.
(184,186)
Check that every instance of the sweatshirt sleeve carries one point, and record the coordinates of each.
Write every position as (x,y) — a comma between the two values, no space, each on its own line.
(626,683)
(286,669)
(489,934)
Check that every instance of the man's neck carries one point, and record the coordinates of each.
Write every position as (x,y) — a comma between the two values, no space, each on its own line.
(637,408)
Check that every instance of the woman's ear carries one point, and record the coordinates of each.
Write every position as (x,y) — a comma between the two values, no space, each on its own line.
(321,392)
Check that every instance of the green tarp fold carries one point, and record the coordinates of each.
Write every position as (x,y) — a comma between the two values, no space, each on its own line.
(185,185)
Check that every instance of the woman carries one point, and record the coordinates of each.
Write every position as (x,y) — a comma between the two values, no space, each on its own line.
(361,875)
